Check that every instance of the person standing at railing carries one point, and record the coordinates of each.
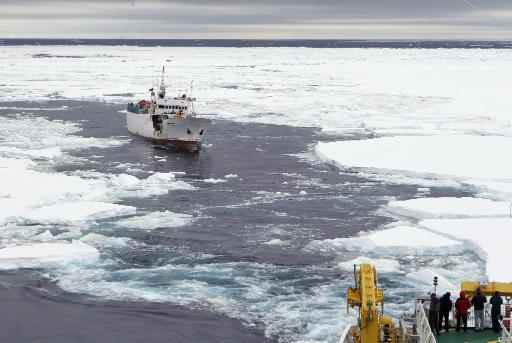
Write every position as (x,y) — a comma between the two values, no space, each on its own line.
(445,308)
(462,306)
(479,301)
(496,301)
(433,313)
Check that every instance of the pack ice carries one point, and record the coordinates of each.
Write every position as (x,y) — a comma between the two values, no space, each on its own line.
(465,161)
(70,203)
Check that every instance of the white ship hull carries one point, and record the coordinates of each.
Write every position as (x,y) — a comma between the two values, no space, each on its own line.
(182,133)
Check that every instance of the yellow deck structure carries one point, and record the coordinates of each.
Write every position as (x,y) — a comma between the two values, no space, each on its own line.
(374,327)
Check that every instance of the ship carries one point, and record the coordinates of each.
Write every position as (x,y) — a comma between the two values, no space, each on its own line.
(168,120)
(373,326)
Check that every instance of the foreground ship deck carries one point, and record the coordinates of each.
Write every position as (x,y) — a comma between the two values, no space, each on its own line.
(375,327)
(467,337)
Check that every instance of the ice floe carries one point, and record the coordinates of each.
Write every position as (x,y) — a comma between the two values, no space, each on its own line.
(480,224)
(98,240)
(448,207)
(476,160)
(125,185)
(156,220)
(47,255)
(276,241)
(484,236)
(212,180)
(74,212)
(401,240)
(37,137)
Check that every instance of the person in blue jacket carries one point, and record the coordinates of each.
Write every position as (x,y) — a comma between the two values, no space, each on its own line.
(496,301)
(445,307)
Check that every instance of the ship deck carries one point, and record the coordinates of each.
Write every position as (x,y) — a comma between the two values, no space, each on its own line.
(470,336)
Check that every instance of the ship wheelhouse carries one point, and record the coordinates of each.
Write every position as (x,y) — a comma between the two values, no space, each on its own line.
(173,106)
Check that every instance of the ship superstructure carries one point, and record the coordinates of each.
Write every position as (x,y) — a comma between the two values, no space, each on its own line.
(167,119)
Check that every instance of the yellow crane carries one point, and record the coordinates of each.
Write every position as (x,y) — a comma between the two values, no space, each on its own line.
(373,325)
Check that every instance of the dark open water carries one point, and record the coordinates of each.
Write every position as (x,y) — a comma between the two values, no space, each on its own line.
(234,220)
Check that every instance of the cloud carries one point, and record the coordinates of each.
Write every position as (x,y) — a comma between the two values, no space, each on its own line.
(254,19)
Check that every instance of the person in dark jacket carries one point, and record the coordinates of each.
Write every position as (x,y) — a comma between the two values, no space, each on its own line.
(433,313)
(496,301)
(479,301)
(445,306)
(462,306)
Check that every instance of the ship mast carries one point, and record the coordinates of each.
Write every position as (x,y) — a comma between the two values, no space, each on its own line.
(161,94)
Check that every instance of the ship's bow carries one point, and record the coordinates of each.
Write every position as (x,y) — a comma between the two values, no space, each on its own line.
(186,133)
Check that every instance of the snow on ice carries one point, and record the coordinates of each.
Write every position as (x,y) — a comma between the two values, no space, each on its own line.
(478,162)
(400,240)
(485,236)
(474,160)
(343,91)
(31,194)
(424,208)
(156,220)
(47,255)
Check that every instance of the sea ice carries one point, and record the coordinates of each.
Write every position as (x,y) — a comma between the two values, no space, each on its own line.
(97,240)
(212,180)
(401,240)
(74,212)
(424,208)
(124,185)
(276,241)
(383,91)
(485,236)
(475,160)
(47,255)
(156,220)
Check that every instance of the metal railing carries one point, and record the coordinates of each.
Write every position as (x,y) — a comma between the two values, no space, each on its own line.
(506,336)
(346,336)
(422,327)
(471,316)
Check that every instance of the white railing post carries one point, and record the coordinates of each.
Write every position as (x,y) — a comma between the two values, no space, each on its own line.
(423,327)
(506,335)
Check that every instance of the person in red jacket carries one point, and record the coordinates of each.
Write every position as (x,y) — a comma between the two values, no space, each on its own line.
(462,306)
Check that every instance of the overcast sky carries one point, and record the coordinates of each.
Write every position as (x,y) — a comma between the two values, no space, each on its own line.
(265,19)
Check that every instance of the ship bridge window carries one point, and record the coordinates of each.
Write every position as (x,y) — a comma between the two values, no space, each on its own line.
(161,106)
(185,108)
